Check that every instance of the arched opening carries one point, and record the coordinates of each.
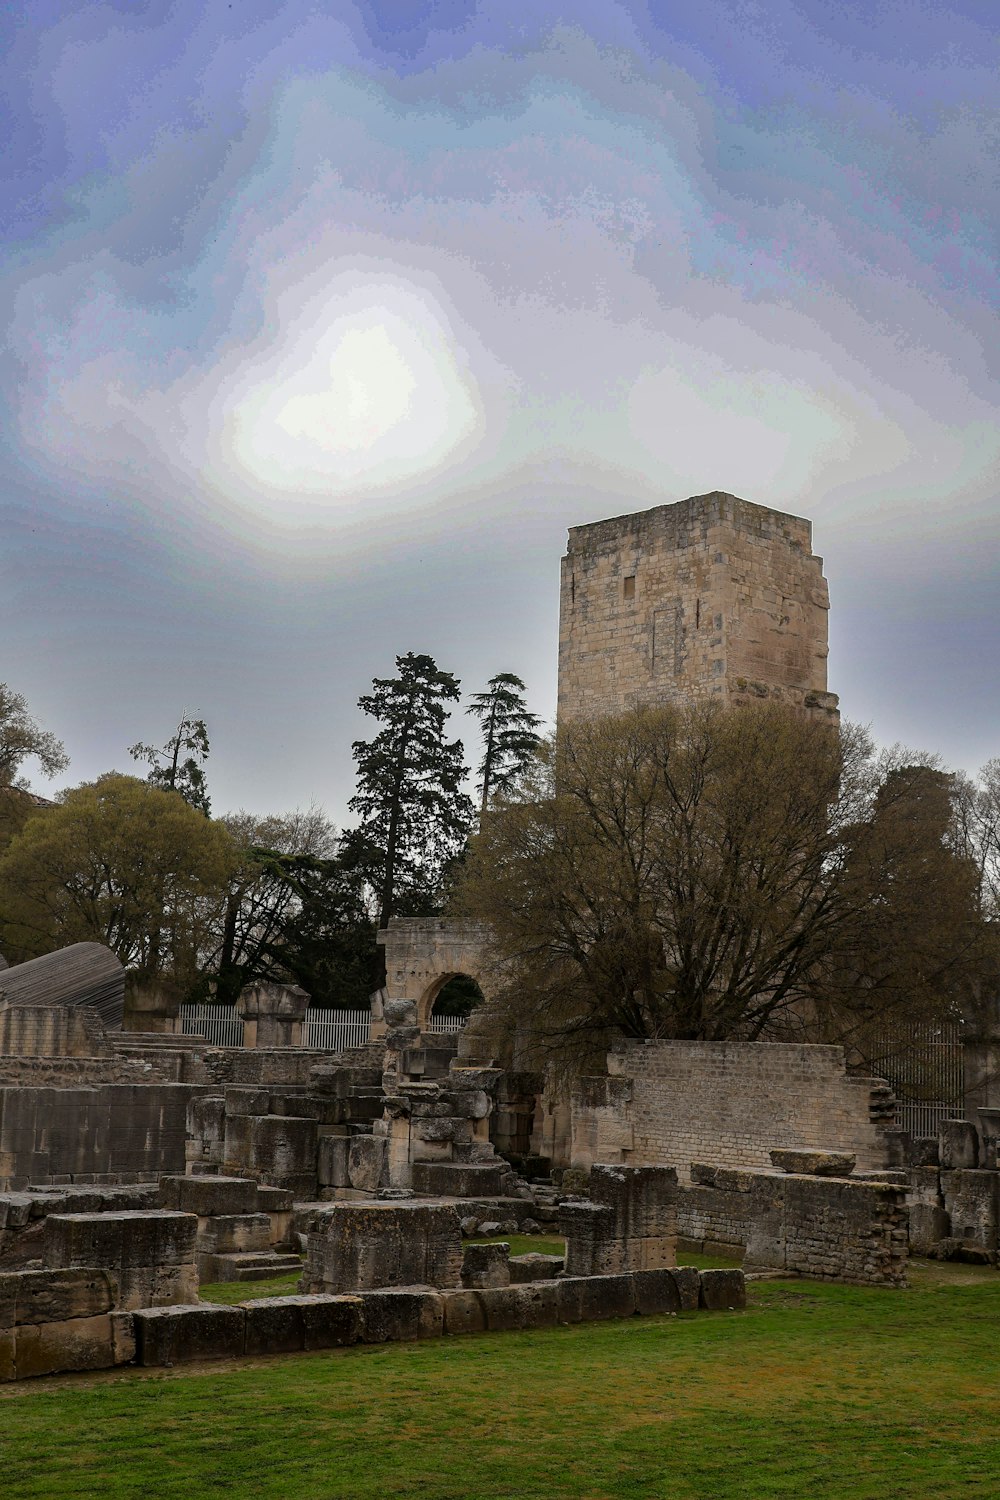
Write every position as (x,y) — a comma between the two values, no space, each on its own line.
(451,1005)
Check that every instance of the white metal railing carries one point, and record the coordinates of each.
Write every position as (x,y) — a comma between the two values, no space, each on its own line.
(925,1067)
(446,1023)
(336,1030)
(219,1024)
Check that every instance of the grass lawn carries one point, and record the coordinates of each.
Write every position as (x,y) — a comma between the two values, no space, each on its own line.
(814,1391)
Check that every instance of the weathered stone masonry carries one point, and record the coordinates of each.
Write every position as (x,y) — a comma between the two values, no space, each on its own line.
(727,1104)
(710,598)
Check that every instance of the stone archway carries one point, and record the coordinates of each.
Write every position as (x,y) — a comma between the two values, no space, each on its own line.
(423,953)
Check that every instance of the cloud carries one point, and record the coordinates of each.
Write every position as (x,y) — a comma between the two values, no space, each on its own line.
(420,282)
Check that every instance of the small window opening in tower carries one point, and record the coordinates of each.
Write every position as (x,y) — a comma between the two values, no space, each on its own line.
(697,614)
(629,588)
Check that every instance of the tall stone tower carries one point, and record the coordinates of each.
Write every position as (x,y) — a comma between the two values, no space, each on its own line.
(711,597)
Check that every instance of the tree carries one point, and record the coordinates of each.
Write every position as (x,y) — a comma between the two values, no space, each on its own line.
(510,734)
(689,873)
(292,911)
(22,738)
(914,943)
(415,814)
(173,774)
(122,863)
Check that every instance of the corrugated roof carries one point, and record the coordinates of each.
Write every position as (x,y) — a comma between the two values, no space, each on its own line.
(83,974)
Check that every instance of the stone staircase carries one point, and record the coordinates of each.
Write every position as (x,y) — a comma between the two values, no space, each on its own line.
(255,1265)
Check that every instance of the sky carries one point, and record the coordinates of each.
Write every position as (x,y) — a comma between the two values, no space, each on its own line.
(325,321)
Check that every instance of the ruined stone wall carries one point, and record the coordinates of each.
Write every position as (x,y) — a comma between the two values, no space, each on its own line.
(828,1228)
(710,598)
(112,1131)
(727,1104)
(51,1031)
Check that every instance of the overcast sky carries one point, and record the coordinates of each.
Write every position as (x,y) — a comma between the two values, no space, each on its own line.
(325,321)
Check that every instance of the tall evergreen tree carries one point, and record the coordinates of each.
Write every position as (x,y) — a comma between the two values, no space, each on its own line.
(509,733)
(175,774)
(416,816)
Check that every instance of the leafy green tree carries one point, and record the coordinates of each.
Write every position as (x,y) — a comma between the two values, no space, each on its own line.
(415,816)
(510,734)
(22,738)
(176,774)
(118,862)
(293,910)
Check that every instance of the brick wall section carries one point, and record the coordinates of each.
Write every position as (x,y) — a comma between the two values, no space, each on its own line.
(724,1103)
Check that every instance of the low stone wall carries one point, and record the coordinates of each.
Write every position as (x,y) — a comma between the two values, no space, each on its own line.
(728,1104)
(827,1228)
(281,1325)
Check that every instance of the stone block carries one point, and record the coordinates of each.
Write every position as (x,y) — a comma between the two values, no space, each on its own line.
(585,1299)
(486,1265)
(175,1335)
(332,1322)
(228,1234)
(274,1325)
(587,1229)
(72,1344)
(721,1290)
(284,1152)
(655,1292)
(457,1179)
(971,1201)
(924,1151)
(531,1305)
(688,1282)
(367,1168)
(130,1238)
(274,1200)
(333,1161)
(535,1267)
(815,1163)
(55,1296)
(209,1196)
(463,1312)
(958,1145)
(401,1315)
(353,1247)
(929,1225)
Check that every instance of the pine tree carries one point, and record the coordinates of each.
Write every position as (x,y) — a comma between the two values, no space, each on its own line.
(416,817)
(173,774)
(509,733)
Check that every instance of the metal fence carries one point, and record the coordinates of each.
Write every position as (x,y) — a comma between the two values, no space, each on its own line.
(446,1023)
(924,1065)
(336,1030)
(219,1024)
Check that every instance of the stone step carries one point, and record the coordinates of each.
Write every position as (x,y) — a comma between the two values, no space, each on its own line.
(255,1266)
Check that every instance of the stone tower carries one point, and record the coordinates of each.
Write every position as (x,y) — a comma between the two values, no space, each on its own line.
(711,597)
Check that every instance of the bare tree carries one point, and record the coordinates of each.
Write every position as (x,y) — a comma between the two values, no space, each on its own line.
(698,873)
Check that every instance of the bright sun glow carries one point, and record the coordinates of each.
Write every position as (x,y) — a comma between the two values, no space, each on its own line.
(359,389)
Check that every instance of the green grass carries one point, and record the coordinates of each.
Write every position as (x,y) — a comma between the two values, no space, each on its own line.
(232,1292)
(523,1244)
(815,1390)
